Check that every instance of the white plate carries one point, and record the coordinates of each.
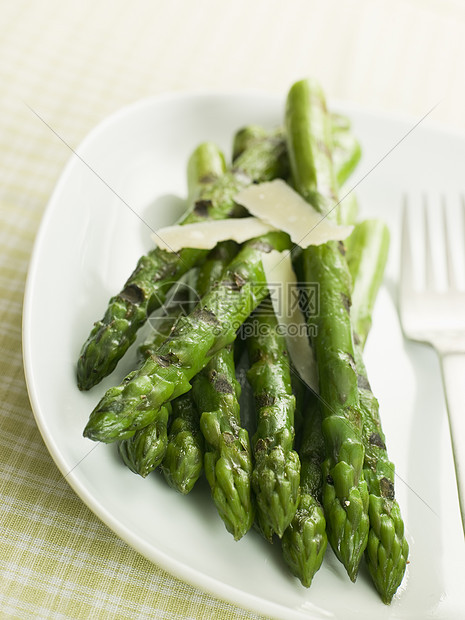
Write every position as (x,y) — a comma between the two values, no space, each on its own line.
(88,243)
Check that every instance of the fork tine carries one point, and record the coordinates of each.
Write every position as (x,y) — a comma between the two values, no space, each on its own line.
(430,277)
(462,201)
(406,270)
(462,214)
(460,282)
(451,277)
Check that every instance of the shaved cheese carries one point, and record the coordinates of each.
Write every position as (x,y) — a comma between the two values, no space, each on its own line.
(277,204)
(205,235)
(284,295)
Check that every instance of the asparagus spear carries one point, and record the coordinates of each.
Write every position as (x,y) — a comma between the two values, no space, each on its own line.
(183,460)
(276,473)
(205,166)
(305,540)
(179,453)
(345,494)
(387,549)
(144,451)
(346,154)
(346,151)
(246,136)
(182,463)
(366,253)
(193,342)
(148,285)
(228,459)
(215,390)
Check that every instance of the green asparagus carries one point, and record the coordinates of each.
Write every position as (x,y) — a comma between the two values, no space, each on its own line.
(205,166)
(228,462)
(144,451)
(181,460)
(345,494)
(276,473)
(215,390)
(346,151)
(147,287)
(387,549)
(195,339)
(305,540)
(366,253)
(346,154)
(182,463)
(246,136)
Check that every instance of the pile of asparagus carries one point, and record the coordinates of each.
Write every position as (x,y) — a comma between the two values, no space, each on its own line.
(315,468)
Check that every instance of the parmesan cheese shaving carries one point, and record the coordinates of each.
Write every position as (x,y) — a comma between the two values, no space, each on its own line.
(205,235)
(277,204)
(284,295)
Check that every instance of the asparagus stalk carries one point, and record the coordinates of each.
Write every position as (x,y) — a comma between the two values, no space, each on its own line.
(195,339)
(182,463)
(216,392)
(346,154)
(184,457)
(346,151)
(345,494)
(387,549)
(246,136)
(276,473)
(366,253)
(179,453)
(147,287)
(205,166)
(228,459)
(144,451)
(305,540)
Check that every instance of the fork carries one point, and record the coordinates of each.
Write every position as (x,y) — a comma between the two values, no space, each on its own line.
(436,315)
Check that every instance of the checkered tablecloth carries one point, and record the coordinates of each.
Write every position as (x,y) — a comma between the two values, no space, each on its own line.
(73,63)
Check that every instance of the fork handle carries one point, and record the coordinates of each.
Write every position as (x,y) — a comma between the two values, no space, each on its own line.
(453,371)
